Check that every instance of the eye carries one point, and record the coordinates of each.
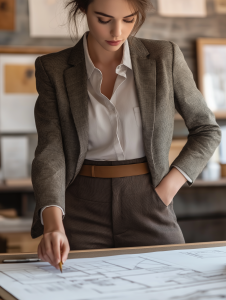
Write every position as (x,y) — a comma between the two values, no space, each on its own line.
(129,21)
(103,22)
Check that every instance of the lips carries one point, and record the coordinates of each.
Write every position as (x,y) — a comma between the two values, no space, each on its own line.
(113,43)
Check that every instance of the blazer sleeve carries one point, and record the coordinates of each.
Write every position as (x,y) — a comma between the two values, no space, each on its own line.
(48,165)
(204,132)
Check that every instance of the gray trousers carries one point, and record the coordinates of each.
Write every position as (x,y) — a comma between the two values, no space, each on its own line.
(118,212)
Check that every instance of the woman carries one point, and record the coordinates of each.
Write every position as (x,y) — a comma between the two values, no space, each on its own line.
(105,117)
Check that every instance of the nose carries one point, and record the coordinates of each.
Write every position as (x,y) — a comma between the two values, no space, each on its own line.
(116,30)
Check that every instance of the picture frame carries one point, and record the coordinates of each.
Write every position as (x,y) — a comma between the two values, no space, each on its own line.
(211,58)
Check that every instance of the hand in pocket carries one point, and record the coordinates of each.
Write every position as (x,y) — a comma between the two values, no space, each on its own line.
(163,196)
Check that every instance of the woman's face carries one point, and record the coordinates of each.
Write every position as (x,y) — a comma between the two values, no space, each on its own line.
(110,20)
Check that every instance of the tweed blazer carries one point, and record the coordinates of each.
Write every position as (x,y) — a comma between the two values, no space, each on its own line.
(163,82)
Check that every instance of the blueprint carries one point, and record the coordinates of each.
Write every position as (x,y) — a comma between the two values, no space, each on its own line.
(177,274)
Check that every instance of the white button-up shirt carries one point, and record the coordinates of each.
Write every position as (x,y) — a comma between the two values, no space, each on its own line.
(115,126)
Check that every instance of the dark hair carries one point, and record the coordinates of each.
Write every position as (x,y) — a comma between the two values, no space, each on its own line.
(76,8)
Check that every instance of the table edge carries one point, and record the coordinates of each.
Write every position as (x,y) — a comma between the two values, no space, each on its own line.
(119,251)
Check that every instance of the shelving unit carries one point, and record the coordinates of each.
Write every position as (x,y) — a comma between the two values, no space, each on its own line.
(17,195)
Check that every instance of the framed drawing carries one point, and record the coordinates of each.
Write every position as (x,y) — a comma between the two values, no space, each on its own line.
(18,88)
(211,55)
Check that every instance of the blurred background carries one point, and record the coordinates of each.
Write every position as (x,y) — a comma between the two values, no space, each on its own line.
(32,28)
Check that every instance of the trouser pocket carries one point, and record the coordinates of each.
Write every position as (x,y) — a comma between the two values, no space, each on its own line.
(143,216)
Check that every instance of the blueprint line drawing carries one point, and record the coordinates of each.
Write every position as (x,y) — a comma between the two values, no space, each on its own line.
(206,254)
(177,274)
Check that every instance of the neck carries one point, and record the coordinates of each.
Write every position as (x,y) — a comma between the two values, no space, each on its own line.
(101,56)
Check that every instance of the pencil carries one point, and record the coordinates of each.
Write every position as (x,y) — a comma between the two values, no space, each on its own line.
(60,265)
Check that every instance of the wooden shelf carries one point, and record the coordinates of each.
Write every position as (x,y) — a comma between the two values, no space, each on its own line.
(23,184)
(220,115)
(16,188)
(29,49)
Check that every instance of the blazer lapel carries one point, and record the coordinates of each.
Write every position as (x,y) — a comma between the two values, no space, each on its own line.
(76,85)
(144,69)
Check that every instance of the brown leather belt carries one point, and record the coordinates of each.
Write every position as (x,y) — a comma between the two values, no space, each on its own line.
(114,171)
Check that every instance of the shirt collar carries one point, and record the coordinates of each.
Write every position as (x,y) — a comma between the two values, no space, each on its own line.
(126,58)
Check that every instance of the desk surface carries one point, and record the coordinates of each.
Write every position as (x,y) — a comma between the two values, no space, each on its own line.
(119,251)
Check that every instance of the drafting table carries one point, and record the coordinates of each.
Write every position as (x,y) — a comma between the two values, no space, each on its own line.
(98,253)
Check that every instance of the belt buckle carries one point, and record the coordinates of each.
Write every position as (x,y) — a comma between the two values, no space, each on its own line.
(93,172)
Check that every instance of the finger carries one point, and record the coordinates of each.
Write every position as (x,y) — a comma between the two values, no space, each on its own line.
(40,252)
(56,251)
(43,254)
(47,251)
(64,250)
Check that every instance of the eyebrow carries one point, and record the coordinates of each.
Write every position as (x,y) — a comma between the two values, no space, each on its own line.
(105,15)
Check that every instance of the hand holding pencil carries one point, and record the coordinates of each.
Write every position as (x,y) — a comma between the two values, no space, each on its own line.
(54,249)
(54,246)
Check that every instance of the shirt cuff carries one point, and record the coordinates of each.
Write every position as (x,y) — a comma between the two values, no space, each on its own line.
(63,213)
(182,172)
